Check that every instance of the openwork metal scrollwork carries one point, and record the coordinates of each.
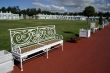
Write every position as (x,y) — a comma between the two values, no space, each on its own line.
(22,37)
(46,32)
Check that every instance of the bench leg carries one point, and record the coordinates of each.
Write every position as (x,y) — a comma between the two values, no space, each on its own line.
(21,64)
(62,46)
(47,53)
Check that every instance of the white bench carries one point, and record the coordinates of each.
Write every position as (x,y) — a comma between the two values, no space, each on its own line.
(31,40)
(104,23)
(93,27)
(84,33)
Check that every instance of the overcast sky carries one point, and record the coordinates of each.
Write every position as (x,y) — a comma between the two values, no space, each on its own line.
(59,5)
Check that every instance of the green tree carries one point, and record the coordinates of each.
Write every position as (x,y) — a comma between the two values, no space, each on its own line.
(9,9)
(100,14)
(14,9)
(31,11)
(39,11)
(89,11)
(107,15)
(3,9)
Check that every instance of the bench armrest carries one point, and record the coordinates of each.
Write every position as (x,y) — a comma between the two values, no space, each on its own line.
(59,37)
(17,50)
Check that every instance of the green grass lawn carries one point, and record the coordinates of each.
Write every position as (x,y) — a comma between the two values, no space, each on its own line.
(67,28)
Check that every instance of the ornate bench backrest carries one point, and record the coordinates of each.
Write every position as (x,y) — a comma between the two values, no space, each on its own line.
(92,25)
(23,36)
(46,33)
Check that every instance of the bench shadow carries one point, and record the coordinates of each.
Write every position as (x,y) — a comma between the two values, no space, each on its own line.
(17,63)
(68,32)
(74,39)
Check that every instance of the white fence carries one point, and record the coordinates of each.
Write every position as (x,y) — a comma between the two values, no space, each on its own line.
(9,16)
(61,17)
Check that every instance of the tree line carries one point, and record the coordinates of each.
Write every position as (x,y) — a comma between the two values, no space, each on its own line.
(88,11)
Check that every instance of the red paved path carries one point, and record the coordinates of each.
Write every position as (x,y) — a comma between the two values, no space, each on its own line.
(88,56)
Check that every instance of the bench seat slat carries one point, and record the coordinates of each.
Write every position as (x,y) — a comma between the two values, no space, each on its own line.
(50,41)
(29,48)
